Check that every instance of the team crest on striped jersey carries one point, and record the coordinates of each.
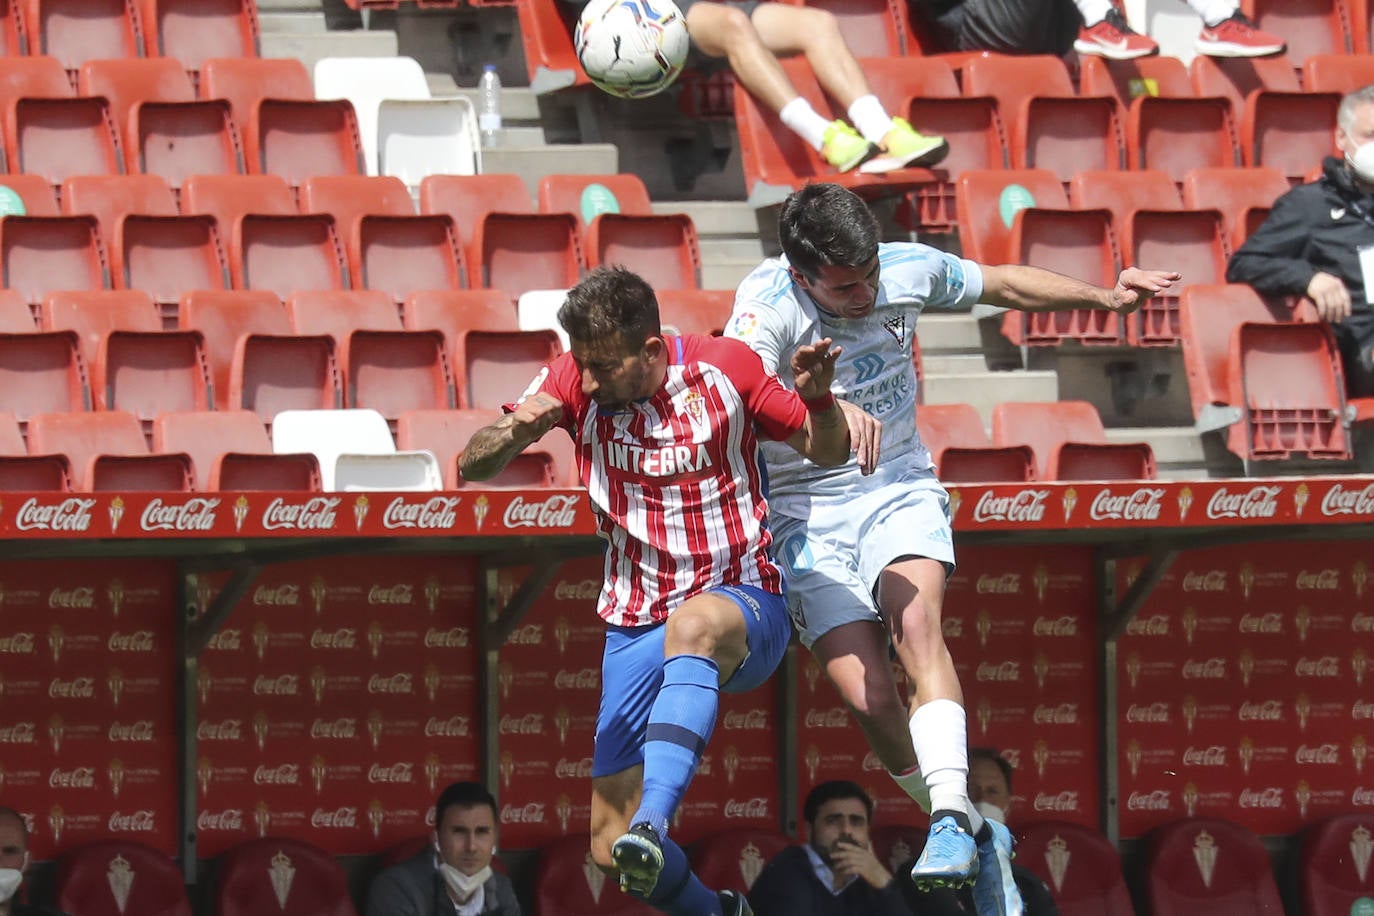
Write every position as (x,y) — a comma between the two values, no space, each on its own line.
(695,405)
(896,326)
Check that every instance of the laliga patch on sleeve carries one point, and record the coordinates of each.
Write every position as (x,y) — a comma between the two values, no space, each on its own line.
(744,325)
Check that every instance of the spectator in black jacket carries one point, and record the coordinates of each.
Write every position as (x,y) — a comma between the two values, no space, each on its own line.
(1318,242)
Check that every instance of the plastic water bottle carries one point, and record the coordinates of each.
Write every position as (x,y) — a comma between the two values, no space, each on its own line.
(489,119)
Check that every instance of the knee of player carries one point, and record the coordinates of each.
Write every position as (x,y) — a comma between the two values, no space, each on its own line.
(733,29)
(692,630)
(823,27)
(918,621)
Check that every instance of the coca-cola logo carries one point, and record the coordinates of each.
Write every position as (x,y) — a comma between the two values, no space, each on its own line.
(1340,501)
(397,773)
(1005,584)
(573,769)
(1154,713)
(1055,626)
(749,809)
(343,728)
(453,638)
(1158,800)
(1326,666)
(76,778)
(529,813)
(1362,797)
(78,688)
(1325,580)
(1066,800)
(315,514)
(438,513)
(140,731)
(81,598)
(1155,625)
(1139,506)
(553,512)
(282,685)
(275,596)
(1321,755)
(1256,502)
(1267,711)
(342,638)
(402,593)
(17,644)
(531,723)
(343,818)
(1362,623)
(1061,714)
(228,819)
(195,514)
(585,590)
(835,717)
(1261,623)
(283,774)
(399,683)
(998,671)
(752,720)
(69,515)
(134,822)
(18,733)
(1212,756)
(1362,710)
(1271,797)
(1211,669)
(230,640)
(224,730)
(1211,581)
(137,641)
(531,634)
(1023,506)
(584,679)
(453,727)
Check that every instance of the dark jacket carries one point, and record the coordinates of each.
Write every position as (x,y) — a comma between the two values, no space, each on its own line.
(1314,227)
(29,909)
(788,886)
(1034,893)
(415,888)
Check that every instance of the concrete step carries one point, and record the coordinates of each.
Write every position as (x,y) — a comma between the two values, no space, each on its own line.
(947,363)
(715,217)
(518,104)
(293,21)
(948,332)
(310,47)
(984,389)
(725,273)
(534,162)
(738,249)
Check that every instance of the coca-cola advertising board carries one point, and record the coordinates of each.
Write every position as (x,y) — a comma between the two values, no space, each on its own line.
(336,701)
(87,702)
(1245,688)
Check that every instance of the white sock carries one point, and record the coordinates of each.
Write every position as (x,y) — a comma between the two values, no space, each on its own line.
(1093,11)
(939,733)
(802,119)
(870,119)
(1214,12)
(912,783)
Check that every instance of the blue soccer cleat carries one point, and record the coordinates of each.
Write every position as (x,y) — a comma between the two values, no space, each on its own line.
(950,858)
(995,892)
(638,855)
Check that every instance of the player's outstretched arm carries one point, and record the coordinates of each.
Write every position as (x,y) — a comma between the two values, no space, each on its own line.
(824,438)
(492,447)
(1032,289)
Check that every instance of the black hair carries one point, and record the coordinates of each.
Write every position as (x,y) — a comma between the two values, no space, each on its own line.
(988,753)
(463,795)
(611,301)
(832,790)
(825,224)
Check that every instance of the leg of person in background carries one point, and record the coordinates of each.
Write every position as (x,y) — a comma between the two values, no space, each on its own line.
(750,42)
(1226,32)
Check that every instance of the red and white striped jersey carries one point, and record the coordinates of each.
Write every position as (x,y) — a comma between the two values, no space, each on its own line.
(676,479)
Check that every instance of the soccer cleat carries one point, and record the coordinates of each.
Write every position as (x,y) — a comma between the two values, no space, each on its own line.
(1114,39)
(638,855)
(905,147)
(950,858)
(1237,37)
(843,147)
(732,903)
(994,891)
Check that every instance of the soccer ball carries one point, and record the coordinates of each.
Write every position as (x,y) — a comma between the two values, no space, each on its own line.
(631,48)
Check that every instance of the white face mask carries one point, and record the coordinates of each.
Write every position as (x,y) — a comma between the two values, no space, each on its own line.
(464,886)
(10,879)
(1362,162)
(991,812)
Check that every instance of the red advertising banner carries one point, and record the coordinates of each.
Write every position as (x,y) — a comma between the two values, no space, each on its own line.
(1246,691)
(88,701)
(337,700)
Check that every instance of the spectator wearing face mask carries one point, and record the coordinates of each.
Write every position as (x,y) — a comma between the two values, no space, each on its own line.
(14,862)
(454,878)
(1318,242)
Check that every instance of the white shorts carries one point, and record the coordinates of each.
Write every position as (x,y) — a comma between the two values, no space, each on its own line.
(832,559)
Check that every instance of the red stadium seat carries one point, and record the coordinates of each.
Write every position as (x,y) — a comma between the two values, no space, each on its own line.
(339,313)
(493,368)
(191,33)
(733,859)
(107,451)
(1208,865)
(1332,875)
(1307,26)
(246,885)
(569,194)
(694,311)
(228,198)
(230,450)
(1123,193)
(455,312)
(48,130)
(546,33)
(75,31)
(1052,428)
(164,129)
(872,28)
(39,197)
(115,877)
(567,883)
(245,82)
(224,317)
(21,471)
(962,451)
(1134,81)
(288,253)
(1240,194)
(351,197)
(39,254)
(1340,73)
(1079,865)
(296,139)
(40,372)
(545,463)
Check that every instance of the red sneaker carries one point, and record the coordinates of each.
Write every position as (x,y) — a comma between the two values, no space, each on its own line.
(1114,39)
(1237,37)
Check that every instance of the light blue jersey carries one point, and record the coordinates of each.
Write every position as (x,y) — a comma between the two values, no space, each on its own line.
(774,317)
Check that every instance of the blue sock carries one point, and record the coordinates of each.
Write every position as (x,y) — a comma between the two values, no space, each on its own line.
(680,723)
(679,892)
